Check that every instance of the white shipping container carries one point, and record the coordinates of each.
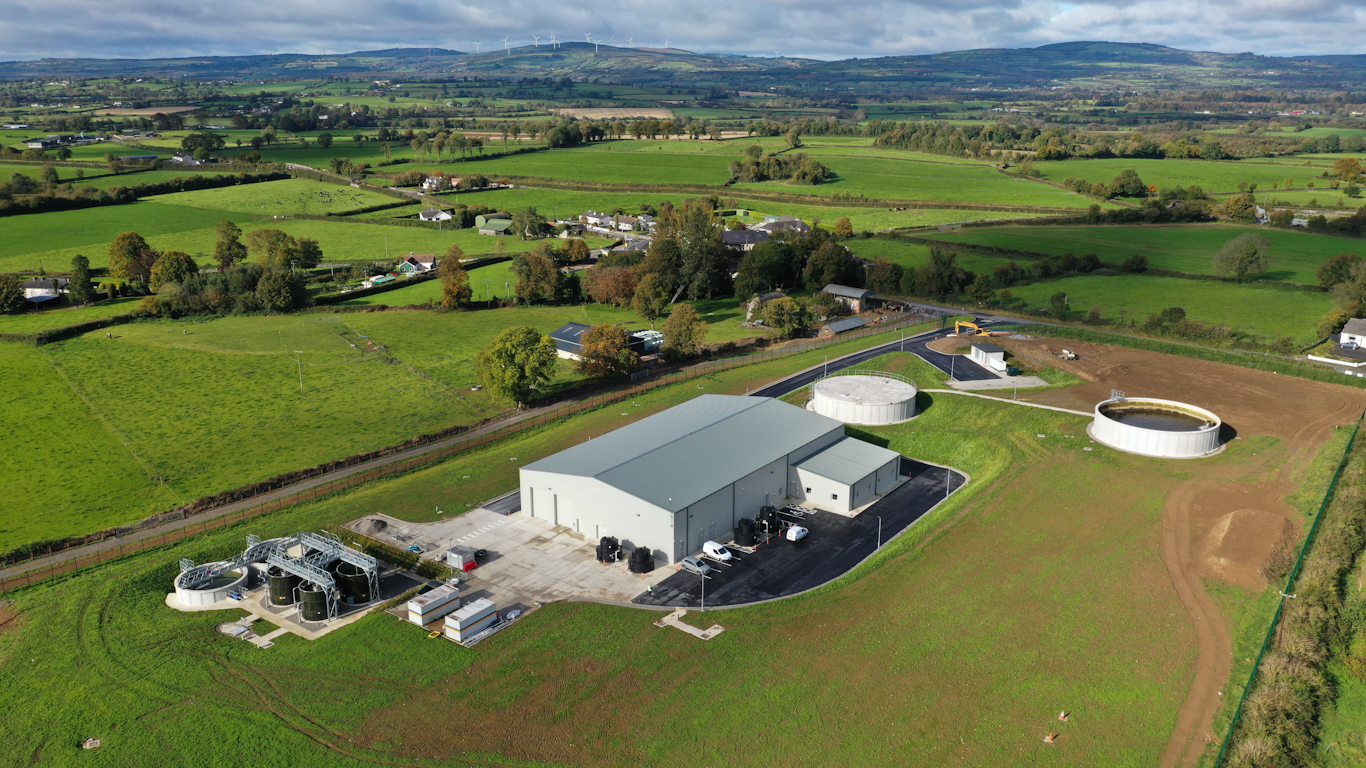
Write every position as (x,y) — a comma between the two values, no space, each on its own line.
(431,606)
(468,633)
(471,614)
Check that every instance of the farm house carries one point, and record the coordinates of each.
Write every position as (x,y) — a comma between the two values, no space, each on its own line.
(685,476)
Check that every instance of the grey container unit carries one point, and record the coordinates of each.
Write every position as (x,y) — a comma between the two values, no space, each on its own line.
(460,558)
(471,620)
(426,608)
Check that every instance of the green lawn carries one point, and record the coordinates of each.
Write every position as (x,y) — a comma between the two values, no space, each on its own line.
(1264,311)
(1210,175)
(32,322)
(914,255)
(1086,621)
(278,198)
(67,472)
(614,167)
(1296,255)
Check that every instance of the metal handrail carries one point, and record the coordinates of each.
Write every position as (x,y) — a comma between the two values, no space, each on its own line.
(863,372)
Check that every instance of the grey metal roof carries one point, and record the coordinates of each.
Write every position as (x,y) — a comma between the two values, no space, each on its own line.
(847,292)
(566,337)
(987,346)
(1356,326)
(848,461)
(744,236)
(847,324)
(675,458)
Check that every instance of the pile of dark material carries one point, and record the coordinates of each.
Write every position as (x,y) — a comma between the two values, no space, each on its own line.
(609,551)
(642,560)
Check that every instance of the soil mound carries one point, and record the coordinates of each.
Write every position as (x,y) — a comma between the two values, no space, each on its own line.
(1240,542)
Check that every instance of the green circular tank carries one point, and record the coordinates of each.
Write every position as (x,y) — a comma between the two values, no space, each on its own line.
(312,602)
(281,586)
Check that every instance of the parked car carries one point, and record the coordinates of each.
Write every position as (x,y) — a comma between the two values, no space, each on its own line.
(696,565)
(795,533)
(416,549)
(1348,345)
(712,549)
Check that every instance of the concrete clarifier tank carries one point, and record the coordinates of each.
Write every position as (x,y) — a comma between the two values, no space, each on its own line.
(864,398)
(353,584)
(216,590)
(312,602)
(1160,428)
(282,586)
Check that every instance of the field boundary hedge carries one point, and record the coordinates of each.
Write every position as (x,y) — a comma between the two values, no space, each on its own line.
(39,338)
(569,407)
(773,197)
(1289,591)
(1262,361)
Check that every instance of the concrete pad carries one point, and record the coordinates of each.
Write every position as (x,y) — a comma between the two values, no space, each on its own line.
(1014,382)
(675,620)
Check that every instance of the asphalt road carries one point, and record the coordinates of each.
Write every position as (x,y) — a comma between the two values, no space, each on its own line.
(835,545)
(962,368)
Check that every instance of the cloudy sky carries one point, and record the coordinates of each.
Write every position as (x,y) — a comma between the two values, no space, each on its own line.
(825,29)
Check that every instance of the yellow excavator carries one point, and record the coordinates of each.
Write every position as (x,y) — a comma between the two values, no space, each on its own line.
(975,330)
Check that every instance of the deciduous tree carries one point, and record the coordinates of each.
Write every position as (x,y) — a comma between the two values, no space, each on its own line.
(80,289)
(1337,269)
(125,253)
(171,269)
(281,290)
(1245,257)
(517,363)
(606,351)
(651,298)
(843,227)
(610,285)
(11,294)
(228,248)
(832,263)
(787,316)
(455,282)
(684,332)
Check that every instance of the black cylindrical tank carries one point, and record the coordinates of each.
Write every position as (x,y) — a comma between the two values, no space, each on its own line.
(281,586)
(642,560)
(353,583)
(744,533)
(312,602)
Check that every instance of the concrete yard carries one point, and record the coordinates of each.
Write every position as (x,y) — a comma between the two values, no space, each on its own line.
(529,563)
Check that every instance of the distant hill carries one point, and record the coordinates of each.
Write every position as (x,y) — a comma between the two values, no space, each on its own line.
(1092,65)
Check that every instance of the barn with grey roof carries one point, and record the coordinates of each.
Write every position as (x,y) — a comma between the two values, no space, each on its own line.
(682,477)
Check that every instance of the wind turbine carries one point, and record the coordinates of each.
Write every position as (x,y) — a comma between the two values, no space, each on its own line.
(537,38)
(666,42)
(613,41)
(476,48)
(595,43)
(630,42)
(588,37)
(555,41)
(506,49)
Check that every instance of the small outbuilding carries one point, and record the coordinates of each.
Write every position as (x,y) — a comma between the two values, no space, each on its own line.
(843,325)
(496,227)
(989,356)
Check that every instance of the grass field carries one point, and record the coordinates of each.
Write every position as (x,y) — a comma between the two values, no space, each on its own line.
(278,198)
(1086,621)
(67,472)
(32,322)
(1296,255)
(1263,311)
(1210,175)
(914,255)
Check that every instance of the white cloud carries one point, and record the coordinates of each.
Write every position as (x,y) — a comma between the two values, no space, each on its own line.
(814,28)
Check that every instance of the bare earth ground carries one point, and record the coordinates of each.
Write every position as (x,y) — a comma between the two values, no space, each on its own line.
(1213,527)
(600,113)
(146,111)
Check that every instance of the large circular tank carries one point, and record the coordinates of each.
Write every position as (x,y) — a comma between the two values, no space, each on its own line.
(864,397)
(281,586)
(214,591)
(353,584)
(1161,428)
(312,602)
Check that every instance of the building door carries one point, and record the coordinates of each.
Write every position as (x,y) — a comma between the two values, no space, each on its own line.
(576,525)
(531,501)
(554,509)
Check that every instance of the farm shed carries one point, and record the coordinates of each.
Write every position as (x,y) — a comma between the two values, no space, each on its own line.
(567,340)
(496,227)
(678,478)
(856,299)
(836,327)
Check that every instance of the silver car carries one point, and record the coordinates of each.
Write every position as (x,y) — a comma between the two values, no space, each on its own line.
(696,565)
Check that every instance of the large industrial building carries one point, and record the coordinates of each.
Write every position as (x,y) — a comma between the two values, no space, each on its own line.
(684,476)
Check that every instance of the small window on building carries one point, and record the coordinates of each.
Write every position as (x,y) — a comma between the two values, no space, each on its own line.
(835,496)
(808,490)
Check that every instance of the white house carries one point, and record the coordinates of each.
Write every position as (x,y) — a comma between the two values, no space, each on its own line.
(416,264)
(44,289)
(434,214)
(1354,331)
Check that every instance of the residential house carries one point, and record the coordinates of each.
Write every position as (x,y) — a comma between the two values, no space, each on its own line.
(623,223)
(773,224)
(744,239)
(1354,331)
(417,264)
(44,289)
(856,299)
(639,245)
(434,214)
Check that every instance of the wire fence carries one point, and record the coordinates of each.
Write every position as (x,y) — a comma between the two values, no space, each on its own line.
(1288,590)
(118,542)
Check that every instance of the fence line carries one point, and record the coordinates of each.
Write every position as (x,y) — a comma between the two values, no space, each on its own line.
(565,410)
(1288,590)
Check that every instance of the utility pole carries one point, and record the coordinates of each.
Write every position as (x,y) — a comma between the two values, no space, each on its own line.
(300,361)
(879,533)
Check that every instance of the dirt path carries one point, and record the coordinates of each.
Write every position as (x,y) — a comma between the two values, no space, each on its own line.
(1214,664)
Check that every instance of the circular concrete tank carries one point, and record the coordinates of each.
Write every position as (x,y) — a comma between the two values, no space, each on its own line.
(214,591)
(1161,428)
(864,397)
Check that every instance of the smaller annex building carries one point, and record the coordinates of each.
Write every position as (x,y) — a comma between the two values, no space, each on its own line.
(674,480)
